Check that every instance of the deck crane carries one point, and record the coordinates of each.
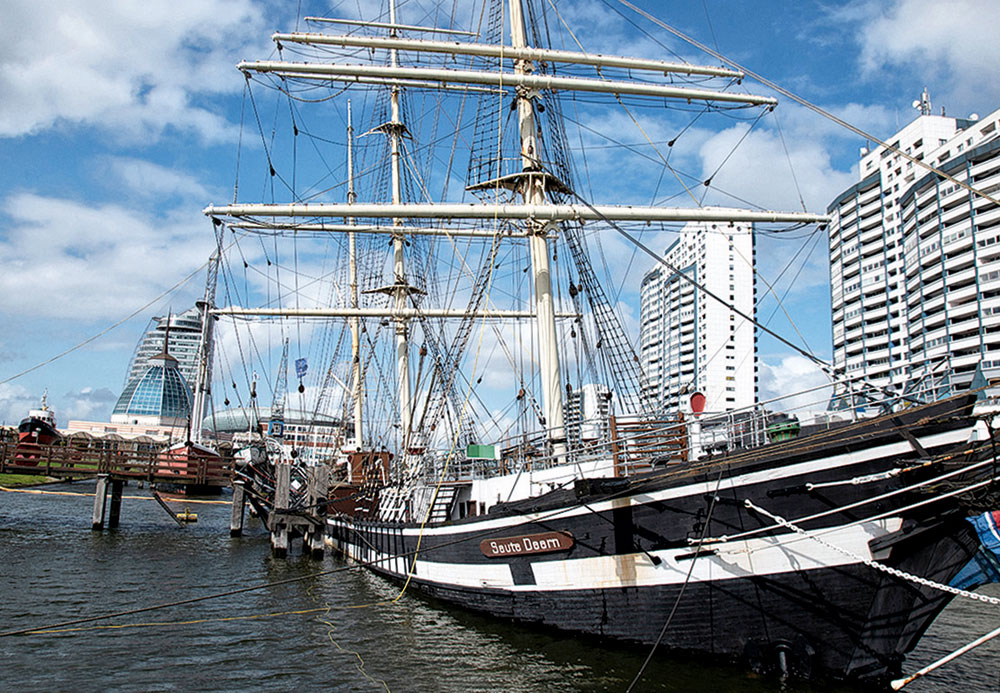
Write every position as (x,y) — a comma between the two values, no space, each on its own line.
(276,422)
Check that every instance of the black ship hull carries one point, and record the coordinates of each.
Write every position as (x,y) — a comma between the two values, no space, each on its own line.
(33,435)
(699,547)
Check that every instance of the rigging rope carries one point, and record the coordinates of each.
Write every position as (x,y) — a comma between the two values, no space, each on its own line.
(808,104)
(680,594)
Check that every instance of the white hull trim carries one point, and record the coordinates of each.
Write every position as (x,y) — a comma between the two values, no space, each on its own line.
(773,555)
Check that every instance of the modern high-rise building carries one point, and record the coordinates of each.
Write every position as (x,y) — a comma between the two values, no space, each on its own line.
(185,333)
(690,342)
(588,413)
(915,260)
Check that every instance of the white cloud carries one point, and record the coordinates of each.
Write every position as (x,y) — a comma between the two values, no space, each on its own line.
(15,401)
(954,41)
(794,379)
(131,68)
(88,404)
(154,182)
(63,259)
(770,172)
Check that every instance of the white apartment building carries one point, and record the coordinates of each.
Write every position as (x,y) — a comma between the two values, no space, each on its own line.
(588,413)
(915,260)
(690,342)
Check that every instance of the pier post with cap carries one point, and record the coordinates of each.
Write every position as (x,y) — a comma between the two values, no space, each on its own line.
(319,482)
(279,517)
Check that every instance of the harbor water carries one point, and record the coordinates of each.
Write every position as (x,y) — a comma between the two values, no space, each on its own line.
(335,629)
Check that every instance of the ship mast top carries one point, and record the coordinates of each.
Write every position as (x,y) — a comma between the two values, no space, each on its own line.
(526,71)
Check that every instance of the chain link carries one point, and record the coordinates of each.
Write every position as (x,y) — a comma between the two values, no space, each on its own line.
(872,563)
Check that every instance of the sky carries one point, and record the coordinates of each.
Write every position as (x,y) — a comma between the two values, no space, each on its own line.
(120,122)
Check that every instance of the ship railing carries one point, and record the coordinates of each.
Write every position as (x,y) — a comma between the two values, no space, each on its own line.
(637,445)
(733,431)
(634,445)
(459,468)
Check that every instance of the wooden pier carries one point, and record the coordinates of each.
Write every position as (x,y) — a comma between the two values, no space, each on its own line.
(66,462)
(112,468)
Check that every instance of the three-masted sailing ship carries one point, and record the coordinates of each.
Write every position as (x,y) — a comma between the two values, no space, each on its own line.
(830,553)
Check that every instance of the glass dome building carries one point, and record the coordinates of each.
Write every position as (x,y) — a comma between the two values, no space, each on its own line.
(159,396)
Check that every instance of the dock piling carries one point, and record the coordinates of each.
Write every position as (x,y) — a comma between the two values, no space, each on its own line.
(282,500)
(100,498)
(319,482)
(116,502)
(239,501)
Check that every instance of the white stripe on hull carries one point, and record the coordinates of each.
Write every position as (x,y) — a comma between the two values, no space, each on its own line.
(764,556)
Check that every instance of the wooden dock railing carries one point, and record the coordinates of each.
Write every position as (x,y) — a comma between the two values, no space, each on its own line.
(63,461)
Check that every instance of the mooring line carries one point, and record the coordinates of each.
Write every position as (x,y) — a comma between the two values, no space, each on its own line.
(163,624)
(899,684)
(39,492)
(871,562)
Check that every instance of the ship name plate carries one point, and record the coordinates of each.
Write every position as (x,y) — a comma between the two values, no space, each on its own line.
(526,544)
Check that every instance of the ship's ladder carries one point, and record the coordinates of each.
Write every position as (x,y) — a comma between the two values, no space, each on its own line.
(443,501)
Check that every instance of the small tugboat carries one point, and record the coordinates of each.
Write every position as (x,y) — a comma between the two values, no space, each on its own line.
(36,430)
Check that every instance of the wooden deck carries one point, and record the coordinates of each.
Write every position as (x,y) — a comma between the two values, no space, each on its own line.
(67,462)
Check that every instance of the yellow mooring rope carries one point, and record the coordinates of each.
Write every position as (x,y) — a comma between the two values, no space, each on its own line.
(39,492)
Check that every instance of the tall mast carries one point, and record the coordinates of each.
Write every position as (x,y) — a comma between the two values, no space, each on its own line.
(532,190)
(203,379)
(400,289)
(533,184)
(356,384)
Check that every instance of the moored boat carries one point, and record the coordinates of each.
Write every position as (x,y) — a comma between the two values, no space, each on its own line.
(36,430)
(697,558)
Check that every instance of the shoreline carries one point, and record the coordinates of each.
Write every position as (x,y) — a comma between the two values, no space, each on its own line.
(29,480)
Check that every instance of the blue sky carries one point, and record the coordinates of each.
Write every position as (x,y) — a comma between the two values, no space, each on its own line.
(120,122)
